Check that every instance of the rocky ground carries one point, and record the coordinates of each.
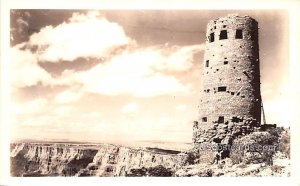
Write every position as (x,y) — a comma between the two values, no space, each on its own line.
(52,159)
(280,167)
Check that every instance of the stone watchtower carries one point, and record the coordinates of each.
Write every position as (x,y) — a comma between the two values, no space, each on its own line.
(230,103)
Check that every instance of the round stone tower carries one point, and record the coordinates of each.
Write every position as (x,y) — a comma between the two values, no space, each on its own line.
(230,102)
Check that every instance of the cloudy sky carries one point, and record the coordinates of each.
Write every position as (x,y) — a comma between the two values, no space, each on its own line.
(98,75)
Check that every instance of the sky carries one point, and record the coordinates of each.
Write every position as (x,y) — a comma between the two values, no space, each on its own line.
(125,75)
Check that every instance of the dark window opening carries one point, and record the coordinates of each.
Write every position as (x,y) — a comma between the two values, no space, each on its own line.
(223,34)
(224,26)
(217,69)
(207,90)
(235,119)
(204,119)
(215,27)
(217,140)
(243,96)
(221,119)
(207,63)
(239,34)
(225,62)
(212,37)
(238,94)
(222,89)
(232,93)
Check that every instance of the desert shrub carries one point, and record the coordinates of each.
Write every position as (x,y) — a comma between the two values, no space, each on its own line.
(192,156)
(276,133)
(188,157)
(256,147)
(206,173)
(277,168)
(137,172)
(159,171)
(284,143)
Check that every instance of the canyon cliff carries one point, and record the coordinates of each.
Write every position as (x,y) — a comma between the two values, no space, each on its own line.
(79,159)
(55,159)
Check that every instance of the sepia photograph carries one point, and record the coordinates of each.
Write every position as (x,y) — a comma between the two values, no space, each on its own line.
(149,92)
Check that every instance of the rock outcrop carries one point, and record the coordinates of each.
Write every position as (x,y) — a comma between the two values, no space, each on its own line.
(38,159)
(226,168)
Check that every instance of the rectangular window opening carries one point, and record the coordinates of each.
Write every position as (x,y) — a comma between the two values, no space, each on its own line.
(212,37)
(223,34)
(204,119)
(221,119)
(235,119)
(222,89)
(225,62)
(207,63)
(239,34)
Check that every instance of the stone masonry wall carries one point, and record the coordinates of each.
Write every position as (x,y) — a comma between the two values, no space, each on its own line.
(230,103)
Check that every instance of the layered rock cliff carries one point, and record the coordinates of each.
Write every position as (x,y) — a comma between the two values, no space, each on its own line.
(255,154)
(40,159)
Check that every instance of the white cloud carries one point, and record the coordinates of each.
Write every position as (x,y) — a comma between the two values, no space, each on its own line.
(174,58)
(83,35)
(68,96)
(25,70)
(64,110)
(130,108)
(22,25)
(141,73)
